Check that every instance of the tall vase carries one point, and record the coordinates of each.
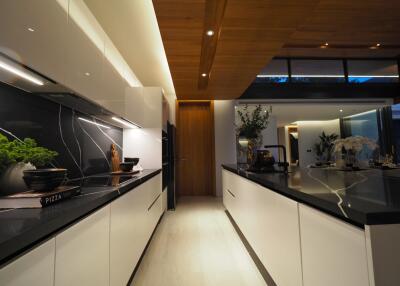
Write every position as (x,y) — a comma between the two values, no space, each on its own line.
(253,146)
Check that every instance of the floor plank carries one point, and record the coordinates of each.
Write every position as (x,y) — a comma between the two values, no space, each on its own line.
(197,245)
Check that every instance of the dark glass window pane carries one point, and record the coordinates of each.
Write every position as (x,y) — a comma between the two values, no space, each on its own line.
(363,124)
(317,71)
(370,71)
(276,71)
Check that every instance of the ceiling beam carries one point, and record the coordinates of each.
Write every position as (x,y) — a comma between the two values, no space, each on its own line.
(214,13)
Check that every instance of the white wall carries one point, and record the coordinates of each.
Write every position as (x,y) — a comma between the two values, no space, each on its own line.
(308,135)
(144,143)
(225,138)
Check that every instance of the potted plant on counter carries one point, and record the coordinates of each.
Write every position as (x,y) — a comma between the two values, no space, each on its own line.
(352,146)
(324,148)
(17,156)
(249,131)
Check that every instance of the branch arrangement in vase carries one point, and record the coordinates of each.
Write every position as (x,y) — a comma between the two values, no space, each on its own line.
(253,123)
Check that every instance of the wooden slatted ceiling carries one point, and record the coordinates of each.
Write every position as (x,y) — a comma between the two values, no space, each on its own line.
(355,22)
(254,31)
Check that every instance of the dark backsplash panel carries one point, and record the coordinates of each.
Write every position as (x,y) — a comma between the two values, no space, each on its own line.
(84,148)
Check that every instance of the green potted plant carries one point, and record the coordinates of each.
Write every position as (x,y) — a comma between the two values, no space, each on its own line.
(250,128)
(324,148)
(17,156)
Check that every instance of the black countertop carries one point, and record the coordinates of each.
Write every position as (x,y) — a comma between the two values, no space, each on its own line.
(366,197)
(21,229)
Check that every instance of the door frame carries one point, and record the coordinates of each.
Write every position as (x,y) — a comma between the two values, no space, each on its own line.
(178,103)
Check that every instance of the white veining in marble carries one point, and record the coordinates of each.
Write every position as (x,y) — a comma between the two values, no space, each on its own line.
(336,191)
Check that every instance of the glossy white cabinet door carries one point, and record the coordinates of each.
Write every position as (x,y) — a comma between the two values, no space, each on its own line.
(42,49)
(230,187)
(36,268)
(154,202)
(270,223)
(128,236)
(153,187)
(85,56)
(333,252)
(82,251)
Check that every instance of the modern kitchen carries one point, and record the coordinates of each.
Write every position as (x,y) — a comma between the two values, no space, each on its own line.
(199,142)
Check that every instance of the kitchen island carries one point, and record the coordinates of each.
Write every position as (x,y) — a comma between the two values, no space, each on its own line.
(95,238)
(319,226)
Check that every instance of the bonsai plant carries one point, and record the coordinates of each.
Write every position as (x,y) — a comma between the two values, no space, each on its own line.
(250,128)
(324,147)
(17,156)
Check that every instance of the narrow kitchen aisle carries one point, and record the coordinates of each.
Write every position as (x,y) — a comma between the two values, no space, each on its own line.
(197,245)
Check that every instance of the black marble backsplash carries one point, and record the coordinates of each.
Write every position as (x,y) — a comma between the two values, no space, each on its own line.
(84,148)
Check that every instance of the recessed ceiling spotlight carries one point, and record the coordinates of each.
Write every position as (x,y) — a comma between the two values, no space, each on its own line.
(87,73)
(31,29)
(378,44)
(203,74)
(340,110)
(210,33)
(326,44)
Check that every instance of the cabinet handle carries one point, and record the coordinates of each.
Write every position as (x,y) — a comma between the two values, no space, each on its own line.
(148,209)
(229,191)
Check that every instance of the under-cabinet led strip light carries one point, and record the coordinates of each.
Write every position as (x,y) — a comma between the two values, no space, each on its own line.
(328,76)
(94,123)
(124,122)
(20,73)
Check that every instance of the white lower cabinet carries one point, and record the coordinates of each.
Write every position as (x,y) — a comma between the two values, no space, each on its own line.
(128,235)
(101,249)
(133,219)
(82,251)
(270,224)
(333,252)
(36,268)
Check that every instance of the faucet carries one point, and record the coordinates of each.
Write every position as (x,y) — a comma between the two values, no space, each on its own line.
(285,164)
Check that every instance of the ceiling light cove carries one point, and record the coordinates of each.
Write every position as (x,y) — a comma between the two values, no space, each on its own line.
(18,71)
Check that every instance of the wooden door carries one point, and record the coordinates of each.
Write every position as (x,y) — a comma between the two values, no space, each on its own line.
(195,148)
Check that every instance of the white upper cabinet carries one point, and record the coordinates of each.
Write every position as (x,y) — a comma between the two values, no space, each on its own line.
(36,268)
(85,52)
(333,252)
(82,252)
(143,105)
(34,33)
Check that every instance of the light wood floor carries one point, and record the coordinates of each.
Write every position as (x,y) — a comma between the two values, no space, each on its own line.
(197,245)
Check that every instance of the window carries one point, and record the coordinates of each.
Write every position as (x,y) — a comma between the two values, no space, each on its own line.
(373,71)
(275,72)
(322,71)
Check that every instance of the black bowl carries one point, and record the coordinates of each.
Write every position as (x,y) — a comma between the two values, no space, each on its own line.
(126,166)
(54,172)
(42,184)
(131,160)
